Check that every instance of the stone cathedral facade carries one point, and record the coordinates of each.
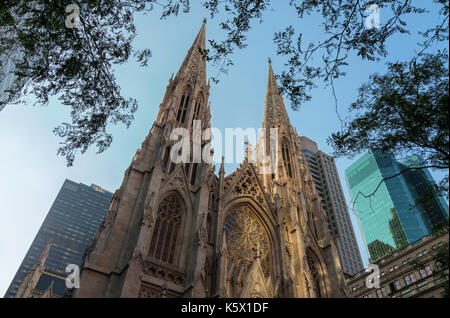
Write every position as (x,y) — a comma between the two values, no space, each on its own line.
(180,230)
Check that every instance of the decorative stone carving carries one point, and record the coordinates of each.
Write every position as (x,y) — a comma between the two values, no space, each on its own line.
(256,284)
(149,216)
(176,182)
(277,202)
(246,238)
(247,185)
(308,240)
(109,219)
(148,292)
(202,232)
(164,273)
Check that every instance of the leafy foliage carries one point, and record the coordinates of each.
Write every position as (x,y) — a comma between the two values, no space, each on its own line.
(76,64)
(404,111)
(345,32)
(73,64)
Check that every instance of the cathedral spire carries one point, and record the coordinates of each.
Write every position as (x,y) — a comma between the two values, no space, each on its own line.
(194,59)
(200,40)
(45,253)
(272,86)
(275,110)
(186,95)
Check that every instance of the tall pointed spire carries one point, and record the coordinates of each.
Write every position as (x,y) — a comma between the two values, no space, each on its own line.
(185,87)
(45,253)
(275,110)
(194,58)
(272,85)
(200,40)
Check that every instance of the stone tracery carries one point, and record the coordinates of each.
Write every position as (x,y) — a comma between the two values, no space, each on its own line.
(247,239)
(166,230)
(247,186)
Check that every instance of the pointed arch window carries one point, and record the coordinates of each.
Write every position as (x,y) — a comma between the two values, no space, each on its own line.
(286,158)
(166,157)
(315,276)
(167,228)
(212,201)
(208,227)
(172,167)
(194,173)
(182,109)
(186,168)
(208,277)
(197,108)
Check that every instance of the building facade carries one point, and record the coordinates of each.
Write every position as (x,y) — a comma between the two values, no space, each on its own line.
(180,230)
(7,76)
(420,181)
(388,212)
(8,60)
(71,223)
(412,272)
(328,184)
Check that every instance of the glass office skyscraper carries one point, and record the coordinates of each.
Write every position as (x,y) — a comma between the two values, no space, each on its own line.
(390,216)
(419,182)
(8,60)
(7,76)
(71,223)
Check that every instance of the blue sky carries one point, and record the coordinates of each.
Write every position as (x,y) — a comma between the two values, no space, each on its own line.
(31,173)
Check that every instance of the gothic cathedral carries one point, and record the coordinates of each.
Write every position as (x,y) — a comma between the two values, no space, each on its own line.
(179,230)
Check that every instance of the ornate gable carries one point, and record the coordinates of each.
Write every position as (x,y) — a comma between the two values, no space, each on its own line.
(255,284)
(230,179)
(247,184)
(178,181)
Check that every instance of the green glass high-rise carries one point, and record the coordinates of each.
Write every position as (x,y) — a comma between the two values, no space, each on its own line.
(390,216)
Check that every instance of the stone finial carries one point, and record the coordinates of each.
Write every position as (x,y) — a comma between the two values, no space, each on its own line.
(222,166)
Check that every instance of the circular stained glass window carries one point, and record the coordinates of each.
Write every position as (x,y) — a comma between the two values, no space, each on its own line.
(246,238)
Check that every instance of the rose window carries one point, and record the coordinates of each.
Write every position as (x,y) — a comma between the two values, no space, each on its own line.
(247,238)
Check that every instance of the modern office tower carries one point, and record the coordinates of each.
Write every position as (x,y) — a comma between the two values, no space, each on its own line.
(8,60)
(388,212)
(7,77)
(324,173)
(71,223)
(421,182)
